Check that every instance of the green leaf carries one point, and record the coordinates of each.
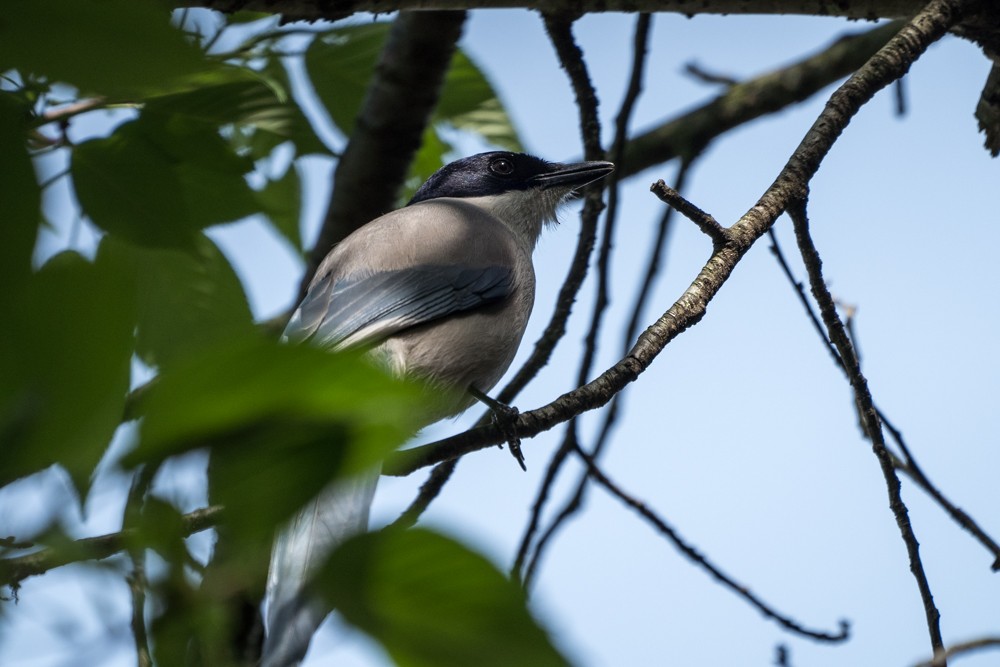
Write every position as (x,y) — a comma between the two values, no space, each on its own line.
(469,102)
(340,65)
(109,47)
(281,421)
(64,366)
(187,299)
(20,195)
(431,602)
(243,98)
(281,200)
(156,181)
(295,127)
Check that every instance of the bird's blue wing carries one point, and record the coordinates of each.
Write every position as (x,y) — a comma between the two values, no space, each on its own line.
(354,310)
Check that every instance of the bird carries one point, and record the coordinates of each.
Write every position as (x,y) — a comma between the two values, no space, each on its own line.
(440,290)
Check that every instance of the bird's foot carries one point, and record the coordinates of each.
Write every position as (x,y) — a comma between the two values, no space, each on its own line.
(504,417)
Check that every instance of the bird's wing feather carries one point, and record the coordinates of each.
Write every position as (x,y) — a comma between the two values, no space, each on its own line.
(361,309)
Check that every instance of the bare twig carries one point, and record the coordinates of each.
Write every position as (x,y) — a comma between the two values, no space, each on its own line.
(706,223)
(572,506)
(906,463)
(136,580)
(692,554)
(639,47)
(429,490)
(699,73)
(939,659)
(872,425)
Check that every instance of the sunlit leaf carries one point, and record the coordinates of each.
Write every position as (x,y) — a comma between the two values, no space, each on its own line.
(109,47)
(469,102)
(64,366)
(156,180)
(431,602)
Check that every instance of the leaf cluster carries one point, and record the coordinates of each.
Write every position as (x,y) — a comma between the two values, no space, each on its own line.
(198,119)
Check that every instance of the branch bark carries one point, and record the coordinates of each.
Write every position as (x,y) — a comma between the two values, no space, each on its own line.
(15,570)
(311,10)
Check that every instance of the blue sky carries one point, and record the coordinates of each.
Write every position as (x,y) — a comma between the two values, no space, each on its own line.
(742,434)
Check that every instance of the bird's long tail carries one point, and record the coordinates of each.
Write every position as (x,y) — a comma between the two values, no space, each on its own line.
(293,615)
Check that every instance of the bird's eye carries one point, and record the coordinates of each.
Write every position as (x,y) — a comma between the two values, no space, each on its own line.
(502,166)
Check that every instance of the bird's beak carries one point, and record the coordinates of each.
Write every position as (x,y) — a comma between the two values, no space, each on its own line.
(574,175)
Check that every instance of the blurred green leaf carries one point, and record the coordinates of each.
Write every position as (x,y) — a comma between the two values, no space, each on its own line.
(469,102)
(20,195)
(187,299)
(340,65)
(109,47)
(64,366)
(281,200)
(281,422)
(431,602)
(158,180)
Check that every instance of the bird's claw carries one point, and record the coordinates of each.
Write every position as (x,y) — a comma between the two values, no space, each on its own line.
(504,418)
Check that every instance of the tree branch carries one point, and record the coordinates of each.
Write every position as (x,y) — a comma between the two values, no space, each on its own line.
(692,554)
(870,421)
(310,10)
(687,135)
(640,42)
(15,570)
(890,63)
(939,659)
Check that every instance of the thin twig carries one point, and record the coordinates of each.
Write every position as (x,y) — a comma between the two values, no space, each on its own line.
(705,222)
(136,580)
(639,49)
(692,554)
(907,463)
(871,422)
(560,34)
(429,490)
(959,649)
(15,570)
(611,414)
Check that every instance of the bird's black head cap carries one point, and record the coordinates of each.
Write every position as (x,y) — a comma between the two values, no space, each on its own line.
(497,172)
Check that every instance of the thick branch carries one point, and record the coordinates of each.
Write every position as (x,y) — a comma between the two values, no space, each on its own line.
(311,10)
(687,135)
